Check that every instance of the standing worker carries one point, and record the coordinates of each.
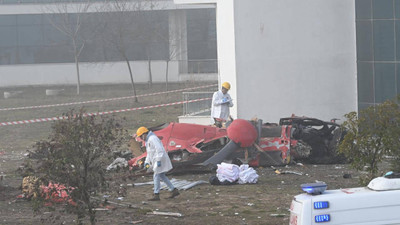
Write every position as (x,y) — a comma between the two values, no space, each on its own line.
(157,158)
(221,102)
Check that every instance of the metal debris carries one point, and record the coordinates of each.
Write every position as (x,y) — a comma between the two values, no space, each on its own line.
(288,172)
(346,176)
(277,215)
(118,163)
(179,184)
(135,222)
(129,205)
(165,213)
(292,172)
(100,209)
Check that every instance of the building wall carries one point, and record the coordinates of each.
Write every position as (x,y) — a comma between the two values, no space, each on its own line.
(33,51)
(292,57)
(64,74)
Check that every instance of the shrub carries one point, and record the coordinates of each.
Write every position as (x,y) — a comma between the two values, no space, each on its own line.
(371,135)
(76,155)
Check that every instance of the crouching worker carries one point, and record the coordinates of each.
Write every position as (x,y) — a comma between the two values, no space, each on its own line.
(157,158)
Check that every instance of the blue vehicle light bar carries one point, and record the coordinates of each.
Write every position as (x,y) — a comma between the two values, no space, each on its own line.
(321,205)
(322,218)
(314,188)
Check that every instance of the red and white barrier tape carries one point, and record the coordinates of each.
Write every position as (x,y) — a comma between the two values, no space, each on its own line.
(105,100)
(99,113)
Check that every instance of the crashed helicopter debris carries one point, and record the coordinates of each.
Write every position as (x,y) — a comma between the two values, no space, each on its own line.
(193,146)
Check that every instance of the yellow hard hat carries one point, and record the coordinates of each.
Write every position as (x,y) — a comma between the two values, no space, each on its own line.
(226,85)
(141,131)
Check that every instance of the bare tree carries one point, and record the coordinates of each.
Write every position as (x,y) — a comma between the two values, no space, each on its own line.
(118,18)
(68,19)
(150,31)
(175,39)
(127,25)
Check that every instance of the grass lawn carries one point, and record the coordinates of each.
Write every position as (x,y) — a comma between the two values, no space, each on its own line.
(17,139)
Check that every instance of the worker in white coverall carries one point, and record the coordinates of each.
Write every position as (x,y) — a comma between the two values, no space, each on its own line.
(158,160)
(221,102)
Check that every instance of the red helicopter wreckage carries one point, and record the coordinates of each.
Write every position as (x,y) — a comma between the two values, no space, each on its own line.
(193,146)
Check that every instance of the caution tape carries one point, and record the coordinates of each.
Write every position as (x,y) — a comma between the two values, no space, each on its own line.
(100,113)
(105,100)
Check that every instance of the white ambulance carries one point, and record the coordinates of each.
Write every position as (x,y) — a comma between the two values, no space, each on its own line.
(378,203)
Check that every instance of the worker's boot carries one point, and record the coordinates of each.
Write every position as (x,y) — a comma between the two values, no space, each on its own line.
(156,197)
(174,193)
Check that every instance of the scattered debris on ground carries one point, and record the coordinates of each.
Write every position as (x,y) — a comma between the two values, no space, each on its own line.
(178,184)
(165,214)
(118,163)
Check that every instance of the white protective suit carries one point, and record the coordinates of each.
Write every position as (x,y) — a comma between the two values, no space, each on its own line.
(156,152)
(218,108)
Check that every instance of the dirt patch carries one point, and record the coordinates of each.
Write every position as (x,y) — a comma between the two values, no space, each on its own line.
(266,202)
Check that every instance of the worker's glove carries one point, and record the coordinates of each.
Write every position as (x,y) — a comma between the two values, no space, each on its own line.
(158,163)
(146,165)
(225,100)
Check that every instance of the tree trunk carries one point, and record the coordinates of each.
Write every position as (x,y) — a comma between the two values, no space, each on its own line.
(132,82)
(78,84)
(150,75)
(92,214)
(166,76)
(76,54)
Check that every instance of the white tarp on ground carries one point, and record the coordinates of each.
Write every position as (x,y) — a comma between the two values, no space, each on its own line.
(228,172)
(232,173)
(247,175)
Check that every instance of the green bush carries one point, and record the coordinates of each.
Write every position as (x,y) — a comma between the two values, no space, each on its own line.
(371,135)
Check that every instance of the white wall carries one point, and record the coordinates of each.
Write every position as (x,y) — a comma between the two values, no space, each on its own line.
(291,57)
(46,74)
(227,54)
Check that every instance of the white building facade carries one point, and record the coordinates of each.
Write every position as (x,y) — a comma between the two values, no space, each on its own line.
(287,57)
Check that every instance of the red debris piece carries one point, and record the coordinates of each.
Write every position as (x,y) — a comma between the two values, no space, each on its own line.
(57,193)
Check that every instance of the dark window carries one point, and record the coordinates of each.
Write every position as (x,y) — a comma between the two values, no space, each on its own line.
(200,27)
(8,20)
(397,9)
(54,54)
(29,19)
(385,82)
(397,24)
(8,55)
(382,9)
(364,41)
(35,38)
(365,82)
(363,9)
(398,78)
(8,36)
(384,40)
(30,35)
